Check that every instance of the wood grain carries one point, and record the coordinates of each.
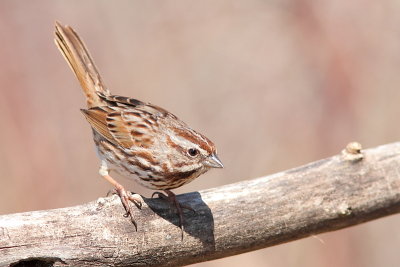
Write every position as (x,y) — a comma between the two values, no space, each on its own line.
(333,193)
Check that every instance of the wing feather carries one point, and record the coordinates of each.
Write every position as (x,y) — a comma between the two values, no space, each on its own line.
(121,126)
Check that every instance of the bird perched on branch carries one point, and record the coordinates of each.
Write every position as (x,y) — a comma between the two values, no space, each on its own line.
(137,139)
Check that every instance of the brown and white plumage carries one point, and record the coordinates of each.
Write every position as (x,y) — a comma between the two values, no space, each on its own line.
(149,143)
(137,139)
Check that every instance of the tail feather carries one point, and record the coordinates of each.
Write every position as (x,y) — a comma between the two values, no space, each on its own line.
(81,63)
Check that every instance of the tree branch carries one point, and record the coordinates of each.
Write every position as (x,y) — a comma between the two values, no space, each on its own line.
(326,195)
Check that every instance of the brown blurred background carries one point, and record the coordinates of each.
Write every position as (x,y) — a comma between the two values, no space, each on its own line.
(276,84)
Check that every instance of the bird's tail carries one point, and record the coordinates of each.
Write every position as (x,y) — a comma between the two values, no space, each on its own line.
(81,63)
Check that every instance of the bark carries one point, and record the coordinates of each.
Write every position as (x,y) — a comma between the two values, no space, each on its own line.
(341,191)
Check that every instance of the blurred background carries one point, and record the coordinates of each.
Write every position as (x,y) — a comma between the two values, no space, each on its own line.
(275,84)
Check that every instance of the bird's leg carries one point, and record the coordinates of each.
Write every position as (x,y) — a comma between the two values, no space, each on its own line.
(125,196)
(171,198)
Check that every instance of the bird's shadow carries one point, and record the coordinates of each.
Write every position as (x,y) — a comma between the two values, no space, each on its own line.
(198,223)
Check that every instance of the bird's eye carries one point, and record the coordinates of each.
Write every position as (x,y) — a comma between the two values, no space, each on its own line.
(193,152)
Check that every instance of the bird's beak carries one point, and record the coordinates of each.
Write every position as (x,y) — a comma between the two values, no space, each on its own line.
(213,161)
